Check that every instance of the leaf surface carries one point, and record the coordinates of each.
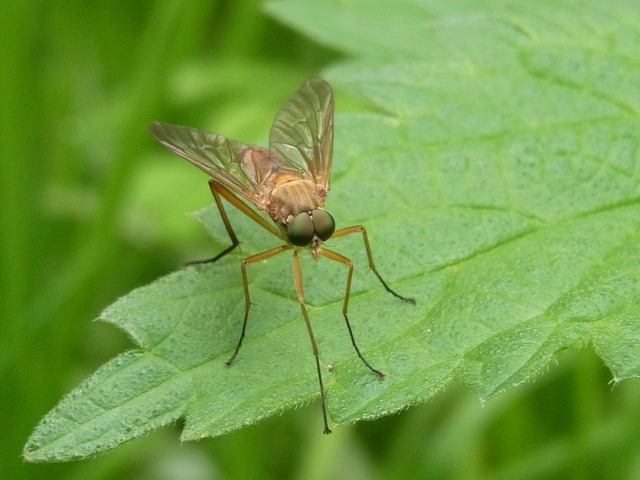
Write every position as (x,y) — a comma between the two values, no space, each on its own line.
(496,167)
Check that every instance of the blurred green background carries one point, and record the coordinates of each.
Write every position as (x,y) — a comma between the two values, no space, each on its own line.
(92,207)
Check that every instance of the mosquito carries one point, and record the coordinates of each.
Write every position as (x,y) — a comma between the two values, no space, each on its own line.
(289,182)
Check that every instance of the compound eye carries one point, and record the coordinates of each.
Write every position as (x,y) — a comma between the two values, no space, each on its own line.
(300,230)
(323,224)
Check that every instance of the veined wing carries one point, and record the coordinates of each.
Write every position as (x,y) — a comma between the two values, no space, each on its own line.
(302,133)
(218,156)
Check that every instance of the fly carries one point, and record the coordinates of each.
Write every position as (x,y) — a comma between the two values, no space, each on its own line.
(289,182)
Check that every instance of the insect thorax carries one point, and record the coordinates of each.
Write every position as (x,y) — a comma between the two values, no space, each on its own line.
(293,197)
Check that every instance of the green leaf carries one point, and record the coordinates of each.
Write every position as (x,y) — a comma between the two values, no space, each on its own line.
(496,169)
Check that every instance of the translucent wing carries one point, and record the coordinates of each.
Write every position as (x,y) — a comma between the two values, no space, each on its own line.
(302,133)
(241,168)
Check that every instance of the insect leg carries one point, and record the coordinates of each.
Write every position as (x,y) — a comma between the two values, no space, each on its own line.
(227,224)
(247,298)
(219,190)
(297,280)
(345,306)
(243,207)
(360,228)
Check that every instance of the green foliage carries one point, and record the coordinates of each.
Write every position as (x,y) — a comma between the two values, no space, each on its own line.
(492,153)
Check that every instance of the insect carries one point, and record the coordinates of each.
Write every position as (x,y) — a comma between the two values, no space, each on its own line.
(289,182)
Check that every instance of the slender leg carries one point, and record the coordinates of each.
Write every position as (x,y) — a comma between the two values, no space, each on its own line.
(227,224)
(243,207)
(360,228)
(218,190)
(297,280)
(345,306)
(247,298)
